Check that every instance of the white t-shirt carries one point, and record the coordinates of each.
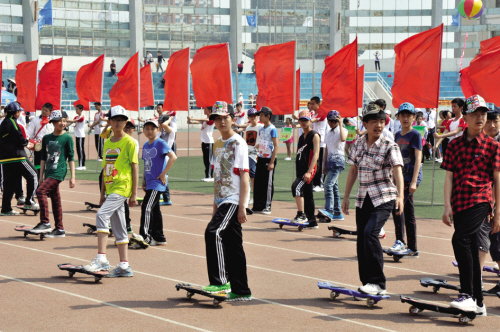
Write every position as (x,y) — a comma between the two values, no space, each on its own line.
(207,131)
(22,119)
(241,119)
(454,124)
(101,124)
(397,126)
(232,152)
(388,134)
(430,118)
(79,126)
(252,138)
(320,128)
(335,147)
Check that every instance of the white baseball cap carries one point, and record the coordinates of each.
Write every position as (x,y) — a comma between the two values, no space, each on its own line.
(117,111)
(55,116)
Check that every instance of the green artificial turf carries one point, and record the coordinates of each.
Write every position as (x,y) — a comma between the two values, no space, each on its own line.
(284,176)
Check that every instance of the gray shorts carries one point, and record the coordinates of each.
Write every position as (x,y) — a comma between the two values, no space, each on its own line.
(113,212)
(483,236)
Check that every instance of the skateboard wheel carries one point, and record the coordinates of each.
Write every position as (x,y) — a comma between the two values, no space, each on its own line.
(334,295)
(301,228)
(97,279)
(71,274)
(36,213)
(435,289)
(370,303)
(216,303)
(396,258)
(177,288)
(90,230)
(281,226)
(464,320)
(414,310)
(336,234)
(25,234)
(89,208)
(189,295)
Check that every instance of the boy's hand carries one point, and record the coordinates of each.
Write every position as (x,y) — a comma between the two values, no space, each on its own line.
(307,177)
(101,200)
(72,182)
(132,201)
(436,135)
(162,178)
(242,214)
(399,205)
(413,187)
(448,216)
(270,167)
(345,206)
(144,185)
(495,224)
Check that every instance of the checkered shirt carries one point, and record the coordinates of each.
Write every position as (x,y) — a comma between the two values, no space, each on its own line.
(472,163)
(375,169)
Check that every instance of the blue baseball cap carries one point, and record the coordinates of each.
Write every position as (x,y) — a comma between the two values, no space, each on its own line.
(13,107)
(407,107)
(332,115)
(252,111)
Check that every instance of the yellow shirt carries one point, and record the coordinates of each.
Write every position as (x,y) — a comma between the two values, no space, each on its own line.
(106,134)
(117,163)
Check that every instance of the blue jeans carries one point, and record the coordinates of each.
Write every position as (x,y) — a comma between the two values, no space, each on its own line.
(332,196)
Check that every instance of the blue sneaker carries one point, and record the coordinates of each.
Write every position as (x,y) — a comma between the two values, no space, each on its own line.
(166,203)
(121,272)
(408,252)
(398,246)
(338,216)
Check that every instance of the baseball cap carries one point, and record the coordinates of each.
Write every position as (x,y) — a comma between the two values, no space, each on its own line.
(130,121)
(55,116)
(474,103)
(371,109)
(116,111)
(252,111)
(13,107)
(266,111)
(220,108)
(152,121)
(407,107)
(332,115)
(305,114)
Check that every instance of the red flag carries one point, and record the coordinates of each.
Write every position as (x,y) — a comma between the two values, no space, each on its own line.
(483,75)
(89,83)
(361,85)
(177,82)
(125,92)
(274,69)
(211,72)
(417,72)
(490,44)
(338,82)
(297,90)
(26,73)
(467,88)
(50,85)
(146,87)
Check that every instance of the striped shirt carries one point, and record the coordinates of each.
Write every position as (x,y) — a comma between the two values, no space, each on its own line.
(375,169)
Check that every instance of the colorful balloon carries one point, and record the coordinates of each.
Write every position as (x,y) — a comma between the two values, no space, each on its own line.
(470,9)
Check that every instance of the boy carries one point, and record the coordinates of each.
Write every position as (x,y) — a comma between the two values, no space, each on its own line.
(14,163)
(207,141)
(334,164)
(240,114)
(306,161)
(266,162)
(79,131)
(223,237)
(167,133)
(37,129)
(410,144)
(121,174)
(456,126)
(376,159)
(56,149)
(472,164)
(98,125)
(319,125)
(155,154)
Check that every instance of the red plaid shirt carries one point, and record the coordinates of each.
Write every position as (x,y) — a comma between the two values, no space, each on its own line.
(472,163)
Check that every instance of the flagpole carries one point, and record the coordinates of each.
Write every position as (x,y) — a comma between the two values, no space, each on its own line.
(188,114)
(437,101)
(294,99)
(314,53)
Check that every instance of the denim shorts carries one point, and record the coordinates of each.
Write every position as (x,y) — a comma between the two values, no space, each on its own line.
(252,165)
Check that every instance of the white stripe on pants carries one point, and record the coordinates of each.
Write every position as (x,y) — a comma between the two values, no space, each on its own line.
(113,212)
(218,244)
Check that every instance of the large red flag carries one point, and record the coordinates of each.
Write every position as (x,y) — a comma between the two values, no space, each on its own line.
(467,88)
(26,73)
(297,90)
(88,83)
(125,92)
(490,44)
(211,72)
(338,82)
(146,87)
(177,82)
(417,72)
(274,69)
(361,84)
(484,71)
(50,85)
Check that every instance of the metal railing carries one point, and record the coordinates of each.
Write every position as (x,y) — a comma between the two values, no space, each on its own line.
(384,84)
(369,92)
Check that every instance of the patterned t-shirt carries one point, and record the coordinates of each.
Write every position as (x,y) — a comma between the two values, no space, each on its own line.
(266,146)
(55,151)
(155,161)
(117,163)
(229,158)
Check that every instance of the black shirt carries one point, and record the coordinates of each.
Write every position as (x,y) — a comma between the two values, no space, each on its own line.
(305,152)
(160,58)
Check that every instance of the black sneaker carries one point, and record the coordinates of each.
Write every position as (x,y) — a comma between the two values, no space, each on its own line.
(41,228)
(129,229)
(267,210)
(56,233)
(312,225)
(300,218)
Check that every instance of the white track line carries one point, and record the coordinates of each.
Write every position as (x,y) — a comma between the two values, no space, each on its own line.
(104,303)
(178,281)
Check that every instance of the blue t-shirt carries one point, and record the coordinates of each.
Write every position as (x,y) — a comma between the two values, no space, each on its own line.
(407,144)
(155,161)
(265,141)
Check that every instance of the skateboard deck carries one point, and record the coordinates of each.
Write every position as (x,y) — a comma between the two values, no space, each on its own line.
(92,228)
(287,222)
(27,230)
(72,269)
(436,284)
(192,289)
(395,255)
(25,211)
(91,206)
(491,270)
(337,231)
(371,300)
(419,306)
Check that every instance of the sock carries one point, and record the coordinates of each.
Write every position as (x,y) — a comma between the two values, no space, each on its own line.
(123,264)
(101,256)
(300,212)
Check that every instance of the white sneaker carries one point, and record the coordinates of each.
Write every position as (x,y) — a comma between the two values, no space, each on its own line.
(481,311)
(464,302)
(381,235)
(317,189)
(250,201)
(287,158)
(208,180)
(100,159)
(372,289)
(83,168)
(495,267)
(97,265)
(156,243)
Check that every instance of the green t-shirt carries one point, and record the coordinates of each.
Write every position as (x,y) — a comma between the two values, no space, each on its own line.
(117,164)
(55,151)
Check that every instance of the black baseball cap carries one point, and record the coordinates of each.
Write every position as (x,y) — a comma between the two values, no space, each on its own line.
(266,111)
